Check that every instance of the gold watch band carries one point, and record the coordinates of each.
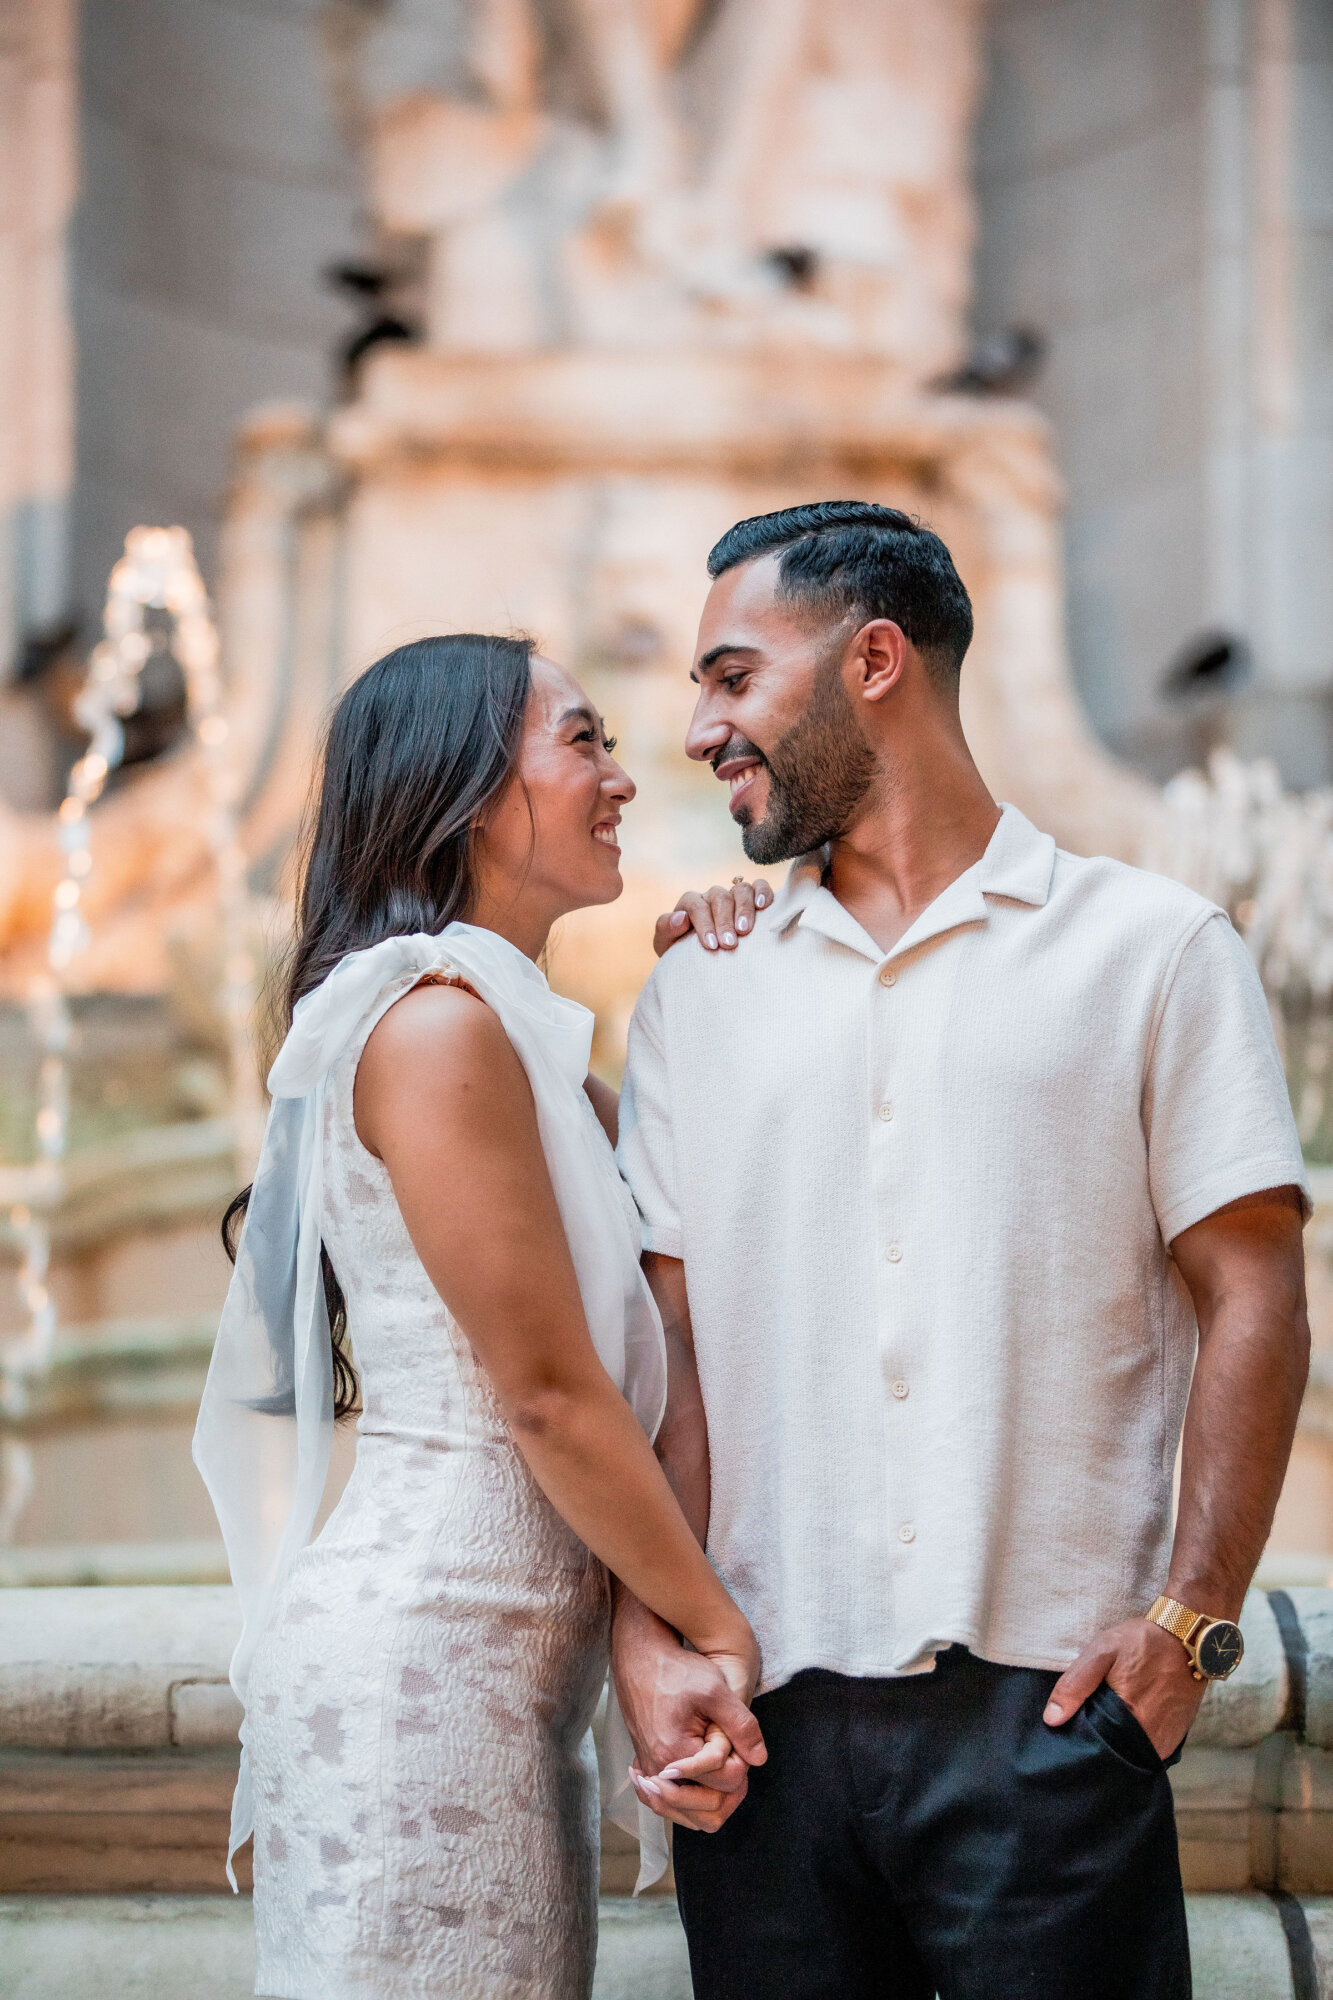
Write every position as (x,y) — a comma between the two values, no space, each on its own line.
(1176,1618)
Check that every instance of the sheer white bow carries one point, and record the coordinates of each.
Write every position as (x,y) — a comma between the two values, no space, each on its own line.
(265,1425)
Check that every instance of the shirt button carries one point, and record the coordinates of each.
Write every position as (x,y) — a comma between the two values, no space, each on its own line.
(907,1533)
(888,977)
(900,1391)
(894,1253)
(885,1112)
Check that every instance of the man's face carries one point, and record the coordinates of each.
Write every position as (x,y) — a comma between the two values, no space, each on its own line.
(773,717)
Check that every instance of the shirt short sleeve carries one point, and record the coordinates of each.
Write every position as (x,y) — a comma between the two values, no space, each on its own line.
(1215,1108)
(646,1152)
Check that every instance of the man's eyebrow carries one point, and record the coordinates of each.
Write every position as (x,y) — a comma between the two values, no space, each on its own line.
(716,653)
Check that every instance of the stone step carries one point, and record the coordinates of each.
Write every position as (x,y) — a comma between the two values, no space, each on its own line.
(114,1369)
(143,1179)
(201,1948)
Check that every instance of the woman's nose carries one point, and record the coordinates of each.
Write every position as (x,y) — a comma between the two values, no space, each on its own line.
(618,784)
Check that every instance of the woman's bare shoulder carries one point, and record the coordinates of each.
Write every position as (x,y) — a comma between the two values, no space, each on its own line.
(439,1055)
(436,1023)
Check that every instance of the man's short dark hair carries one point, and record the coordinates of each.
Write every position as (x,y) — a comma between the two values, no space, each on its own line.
(849,558)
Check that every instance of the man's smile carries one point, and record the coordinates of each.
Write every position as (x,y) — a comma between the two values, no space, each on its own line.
(740,773)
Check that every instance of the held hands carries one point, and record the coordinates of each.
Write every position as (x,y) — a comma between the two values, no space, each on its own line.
(1147,1668)
(718,918)
(687,1715)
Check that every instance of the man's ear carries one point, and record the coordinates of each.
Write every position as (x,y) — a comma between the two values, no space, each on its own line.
(880,654)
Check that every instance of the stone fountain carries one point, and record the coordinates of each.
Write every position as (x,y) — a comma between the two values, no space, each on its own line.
(678,264)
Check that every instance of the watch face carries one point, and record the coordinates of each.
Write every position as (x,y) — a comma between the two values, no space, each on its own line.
(1219,1650)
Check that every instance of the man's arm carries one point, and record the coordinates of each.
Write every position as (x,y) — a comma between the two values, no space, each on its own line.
(606,1103)
(682,1439)
(669,1696)
(1245,1269)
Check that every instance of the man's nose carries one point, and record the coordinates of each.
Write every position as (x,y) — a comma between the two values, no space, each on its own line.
(706,733)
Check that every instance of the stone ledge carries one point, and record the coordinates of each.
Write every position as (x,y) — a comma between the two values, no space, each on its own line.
(99,1669)
(117,1727)
(89,1669)
(751,411)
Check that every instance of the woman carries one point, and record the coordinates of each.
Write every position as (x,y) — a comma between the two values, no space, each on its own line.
(419,1680)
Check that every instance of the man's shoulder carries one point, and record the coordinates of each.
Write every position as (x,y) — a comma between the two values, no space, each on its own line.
(689,970)
(1098,889)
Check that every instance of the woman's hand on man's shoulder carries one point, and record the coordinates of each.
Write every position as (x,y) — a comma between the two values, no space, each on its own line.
(718,917)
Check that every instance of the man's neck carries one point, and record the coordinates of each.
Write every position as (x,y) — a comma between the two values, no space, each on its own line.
(926,829)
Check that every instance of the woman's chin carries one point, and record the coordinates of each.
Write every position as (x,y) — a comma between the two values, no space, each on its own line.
(612,888)
(601,885)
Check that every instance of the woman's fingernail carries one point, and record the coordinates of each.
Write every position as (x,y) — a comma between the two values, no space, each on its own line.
(742,923)
(711,942)
(728,937)
(760,901)
(649,1786)
(677,919)
(671,1774)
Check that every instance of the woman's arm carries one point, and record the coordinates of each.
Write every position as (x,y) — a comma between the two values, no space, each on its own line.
(662,1687)
(443,1100)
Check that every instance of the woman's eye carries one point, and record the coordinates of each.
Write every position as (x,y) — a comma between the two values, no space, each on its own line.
(609,743)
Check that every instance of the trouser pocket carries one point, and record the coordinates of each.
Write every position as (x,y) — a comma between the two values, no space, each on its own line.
(1115,1725)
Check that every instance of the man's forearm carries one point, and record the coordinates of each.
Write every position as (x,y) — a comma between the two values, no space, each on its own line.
(682,1440)
(1246,1275)
(1246,1272)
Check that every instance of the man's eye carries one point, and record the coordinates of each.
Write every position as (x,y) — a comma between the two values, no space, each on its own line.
(732,681)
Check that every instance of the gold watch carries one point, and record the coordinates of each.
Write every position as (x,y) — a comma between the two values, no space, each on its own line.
(1214,1645)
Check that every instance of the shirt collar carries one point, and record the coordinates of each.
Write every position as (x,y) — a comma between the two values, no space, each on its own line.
(1017,864)
(1019,861)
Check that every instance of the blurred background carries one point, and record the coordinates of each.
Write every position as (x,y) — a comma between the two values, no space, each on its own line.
(422,315)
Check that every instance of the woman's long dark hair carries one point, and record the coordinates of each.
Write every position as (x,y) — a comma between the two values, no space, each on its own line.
(417,750)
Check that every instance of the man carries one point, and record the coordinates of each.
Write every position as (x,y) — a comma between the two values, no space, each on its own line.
(945,1177)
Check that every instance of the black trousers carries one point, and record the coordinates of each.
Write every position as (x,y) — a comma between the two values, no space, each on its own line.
(932,1835)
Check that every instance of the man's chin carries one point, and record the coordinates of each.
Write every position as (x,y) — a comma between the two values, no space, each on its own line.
(765,845)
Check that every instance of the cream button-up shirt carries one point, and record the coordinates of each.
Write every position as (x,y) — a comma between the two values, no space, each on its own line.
(924,1200)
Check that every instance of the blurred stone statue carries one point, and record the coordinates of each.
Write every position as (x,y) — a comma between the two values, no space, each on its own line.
(657,173)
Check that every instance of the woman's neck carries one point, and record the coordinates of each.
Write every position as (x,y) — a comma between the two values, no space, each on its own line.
(512,918)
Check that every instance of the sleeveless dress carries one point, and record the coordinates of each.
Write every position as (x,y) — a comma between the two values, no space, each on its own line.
(419,1701)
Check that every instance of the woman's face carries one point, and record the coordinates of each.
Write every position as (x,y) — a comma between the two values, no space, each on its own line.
(550,842)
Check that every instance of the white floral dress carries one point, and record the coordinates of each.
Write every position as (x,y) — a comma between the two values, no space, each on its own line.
(425,1793)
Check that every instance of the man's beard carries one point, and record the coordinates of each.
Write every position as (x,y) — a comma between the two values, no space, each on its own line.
(818,775)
